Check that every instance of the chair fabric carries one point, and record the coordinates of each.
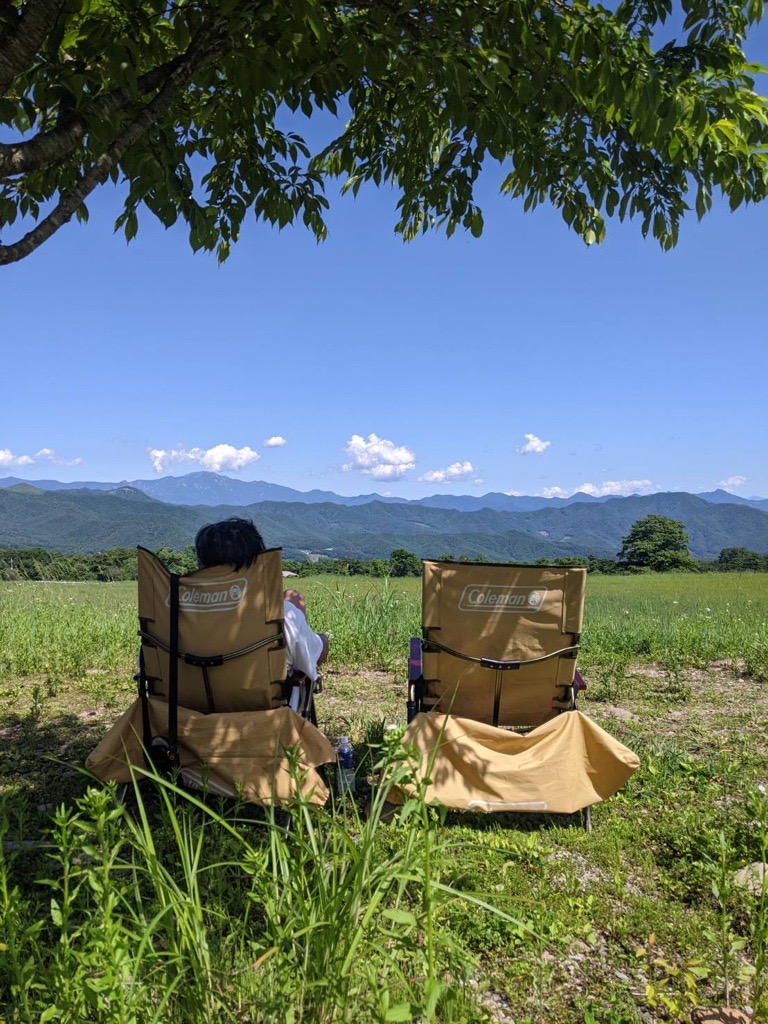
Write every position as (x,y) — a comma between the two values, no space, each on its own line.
(477,618)
(260,756)
(503,613)
(561,767)
(235,731)
(221,611)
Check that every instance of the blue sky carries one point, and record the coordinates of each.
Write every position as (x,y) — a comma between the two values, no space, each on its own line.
(522,361)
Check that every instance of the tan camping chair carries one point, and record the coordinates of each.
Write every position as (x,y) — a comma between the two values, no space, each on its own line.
(492,693)
(214,702)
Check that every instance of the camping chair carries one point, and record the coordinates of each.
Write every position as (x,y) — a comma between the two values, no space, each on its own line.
(214,703)
(492,693)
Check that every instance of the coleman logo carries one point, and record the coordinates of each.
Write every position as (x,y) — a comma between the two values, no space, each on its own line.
(211,597)
(484,597)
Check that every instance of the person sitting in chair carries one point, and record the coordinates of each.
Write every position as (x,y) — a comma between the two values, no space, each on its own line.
(238,543)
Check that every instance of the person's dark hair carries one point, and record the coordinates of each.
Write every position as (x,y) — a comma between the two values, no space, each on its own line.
(234,542)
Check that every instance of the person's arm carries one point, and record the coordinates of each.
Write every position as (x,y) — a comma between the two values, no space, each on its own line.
(324,653)
(296,598)
(305,649)
(299,601)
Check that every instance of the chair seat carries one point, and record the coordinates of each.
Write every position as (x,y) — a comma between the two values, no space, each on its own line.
(256,754)
(560,767)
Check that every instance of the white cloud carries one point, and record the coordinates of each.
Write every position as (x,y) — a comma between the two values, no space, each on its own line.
(620,487)
(8,460)
(533,445)
(456,471)
(378,457)
(275,442)
(514,494)
(217,459)
(554,492)
(732,481)
(52,456)
(616,487)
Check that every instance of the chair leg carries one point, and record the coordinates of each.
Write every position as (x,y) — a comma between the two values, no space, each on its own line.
(585,816)
(281,818)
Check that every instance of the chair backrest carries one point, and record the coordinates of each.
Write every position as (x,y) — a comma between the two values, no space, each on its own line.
(221,612)
(501,613)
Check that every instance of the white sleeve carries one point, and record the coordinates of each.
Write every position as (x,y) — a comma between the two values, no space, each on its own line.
(302,645)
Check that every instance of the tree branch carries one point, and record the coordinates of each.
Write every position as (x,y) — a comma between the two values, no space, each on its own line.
(200,51)
(60,142)
(19,44)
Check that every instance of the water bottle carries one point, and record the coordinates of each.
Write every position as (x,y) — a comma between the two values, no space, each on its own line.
(345,779)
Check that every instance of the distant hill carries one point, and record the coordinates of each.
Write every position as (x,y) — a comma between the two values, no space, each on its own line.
(216,489)
(211,489)
(57,485)
(86,521)
(501,502)
(23,488)
(721,497)
(129,494)
(711,527)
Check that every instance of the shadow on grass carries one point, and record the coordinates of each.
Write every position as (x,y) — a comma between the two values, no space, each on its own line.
(519,821)
(41,756)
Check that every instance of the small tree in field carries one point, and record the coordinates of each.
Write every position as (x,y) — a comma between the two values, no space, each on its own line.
(656,543)
(741,560)
(404,563)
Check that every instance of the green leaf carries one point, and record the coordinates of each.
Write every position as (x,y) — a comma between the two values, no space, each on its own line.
(581,103)
(401,917)
(131,225)
(402,1011)
(56,915)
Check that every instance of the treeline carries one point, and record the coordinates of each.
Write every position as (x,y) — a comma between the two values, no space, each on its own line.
(119,564)
(111,566)
(729,560)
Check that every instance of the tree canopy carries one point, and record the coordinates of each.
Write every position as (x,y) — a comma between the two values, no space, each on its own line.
(597,111)
(657,543)
(741,560)
(404,563)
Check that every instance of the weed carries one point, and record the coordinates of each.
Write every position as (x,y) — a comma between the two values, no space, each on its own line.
(191,910)
(671,986)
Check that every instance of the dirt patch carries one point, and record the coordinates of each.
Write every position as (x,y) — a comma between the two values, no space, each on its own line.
(610,711)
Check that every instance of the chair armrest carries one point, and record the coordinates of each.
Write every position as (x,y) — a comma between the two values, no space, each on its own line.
(414,659)
(414,678)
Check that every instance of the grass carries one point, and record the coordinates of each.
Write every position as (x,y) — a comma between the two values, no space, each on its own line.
(188,913)
(210,913)
(70,629)
(679,620)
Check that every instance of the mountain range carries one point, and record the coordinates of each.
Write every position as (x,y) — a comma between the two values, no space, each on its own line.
(205,488)
(92,519)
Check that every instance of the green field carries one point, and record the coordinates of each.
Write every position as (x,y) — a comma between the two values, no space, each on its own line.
(455,919)
(65,630)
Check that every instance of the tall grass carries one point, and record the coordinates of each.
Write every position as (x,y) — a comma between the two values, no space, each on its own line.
(368,622)
(195,913)
(67,630)
(678,620)
(183,914)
